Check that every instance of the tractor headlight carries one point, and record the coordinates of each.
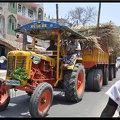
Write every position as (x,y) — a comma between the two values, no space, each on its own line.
(3,59)
(36,59)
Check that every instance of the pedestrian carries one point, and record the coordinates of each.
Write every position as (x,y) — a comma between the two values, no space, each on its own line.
(73,51)
(113,103)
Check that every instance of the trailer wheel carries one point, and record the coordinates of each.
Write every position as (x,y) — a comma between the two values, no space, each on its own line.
(98,80)
(114,72)
(4,97)
(105,76)
(74,83)
(89,82)
(111,73)
(41,100)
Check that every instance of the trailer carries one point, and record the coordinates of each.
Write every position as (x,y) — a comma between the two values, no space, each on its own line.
(99,55)
(100,67)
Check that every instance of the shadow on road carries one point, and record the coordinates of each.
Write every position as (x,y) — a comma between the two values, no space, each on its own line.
(59,98)
(17,107)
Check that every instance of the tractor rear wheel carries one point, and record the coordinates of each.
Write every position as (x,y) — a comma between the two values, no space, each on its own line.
(41,100)
(4,97)
(74,83)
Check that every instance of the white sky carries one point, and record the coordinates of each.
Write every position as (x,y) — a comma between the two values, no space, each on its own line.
(109,11)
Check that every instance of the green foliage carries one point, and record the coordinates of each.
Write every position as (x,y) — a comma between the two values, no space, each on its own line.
(19,74)
(118,54)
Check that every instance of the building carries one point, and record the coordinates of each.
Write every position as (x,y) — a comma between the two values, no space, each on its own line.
(12,15)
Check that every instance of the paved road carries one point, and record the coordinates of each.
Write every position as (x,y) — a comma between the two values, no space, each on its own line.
(91,105)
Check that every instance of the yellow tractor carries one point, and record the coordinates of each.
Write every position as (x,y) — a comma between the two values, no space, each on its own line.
(38,73)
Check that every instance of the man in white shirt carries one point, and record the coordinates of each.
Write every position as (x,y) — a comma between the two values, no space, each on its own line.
(113,103)
(73,51)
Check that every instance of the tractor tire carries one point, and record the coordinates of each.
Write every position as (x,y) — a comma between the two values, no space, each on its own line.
(41,100)
(98,80)
(105,76)
(111,73)
(4,97)
(90,78)
(74,83)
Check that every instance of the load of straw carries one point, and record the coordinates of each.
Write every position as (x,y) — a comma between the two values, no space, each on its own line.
(108,38)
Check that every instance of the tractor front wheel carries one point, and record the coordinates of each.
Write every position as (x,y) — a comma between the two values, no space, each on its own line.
(4,96)
(41,100)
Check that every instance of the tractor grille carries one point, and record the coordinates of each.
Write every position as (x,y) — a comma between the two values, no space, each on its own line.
(16,61)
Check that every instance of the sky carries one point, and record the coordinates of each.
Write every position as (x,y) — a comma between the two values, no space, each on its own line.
(110,11)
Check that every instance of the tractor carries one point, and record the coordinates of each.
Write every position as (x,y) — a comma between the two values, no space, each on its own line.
(38,72)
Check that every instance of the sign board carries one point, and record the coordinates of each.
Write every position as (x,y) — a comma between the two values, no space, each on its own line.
(46,53)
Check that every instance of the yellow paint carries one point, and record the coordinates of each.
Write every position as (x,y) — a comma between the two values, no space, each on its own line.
(95,55)
(28,61)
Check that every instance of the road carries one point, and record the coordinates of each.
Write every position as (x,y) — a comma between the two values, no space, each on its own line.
(91,105)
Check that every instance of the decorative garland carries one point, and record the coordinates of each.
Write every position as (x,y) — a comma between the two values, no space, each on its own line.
(19,74)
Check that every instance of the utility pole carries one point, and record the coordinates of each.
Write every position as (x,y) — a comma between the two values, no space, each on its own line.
(98,18)
(56,13)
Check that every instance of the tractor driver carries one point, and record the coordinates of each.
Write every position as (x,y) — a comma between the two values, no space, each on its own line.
(52,45)
(73,51)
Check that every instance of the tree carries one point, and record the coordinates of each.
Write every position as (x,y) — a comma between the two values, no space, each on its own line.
(82,15)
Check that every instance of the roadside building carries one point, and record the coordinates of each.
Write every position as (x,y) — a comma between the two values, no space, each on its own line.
(12,15)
